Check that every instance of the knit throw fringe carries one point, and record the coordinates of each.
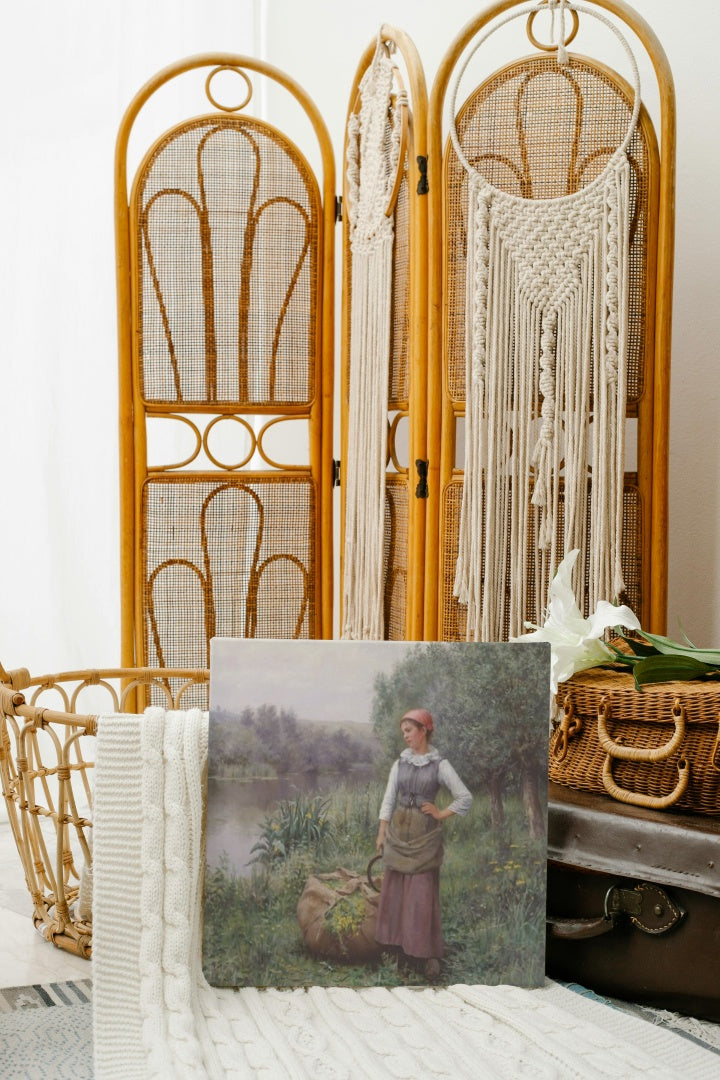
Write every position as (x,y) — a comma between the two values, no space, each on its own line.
(546,360)
(372,163)
(155,1016)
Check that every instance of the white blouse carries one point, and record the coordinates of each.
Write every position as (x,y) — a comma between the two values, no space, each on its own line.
(462,799)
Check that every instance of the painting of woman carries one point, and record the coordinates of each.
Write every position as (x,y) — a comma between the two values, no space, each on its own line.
(410,838)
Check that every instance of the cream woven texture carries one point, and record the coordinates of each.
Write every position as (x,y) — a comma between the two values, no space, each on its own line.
(155,1015)
(372,162)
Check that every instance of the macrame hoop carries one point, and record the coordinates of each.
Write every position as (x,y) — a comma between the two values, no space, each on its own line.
(524,13)
(374,166)
(534,315)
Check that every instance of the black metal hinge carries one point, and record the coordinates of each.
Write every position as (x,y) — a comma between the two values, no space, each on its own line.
(421,491)
(336,474)
(338,208)
(423,187)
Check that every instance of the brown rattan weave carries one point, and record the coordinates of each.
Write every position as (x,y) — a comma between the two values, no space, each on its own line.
(46,761)
(228,216)
(242,565)
(658,747)
(225,281)
(453,613)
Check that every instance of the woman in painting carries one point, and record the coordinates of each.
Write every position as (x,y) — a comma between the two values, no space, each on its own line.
(410,839)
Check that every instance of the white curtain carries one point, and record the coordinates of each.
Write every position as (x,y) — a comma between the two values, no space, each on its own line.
(68,72)
(68,69)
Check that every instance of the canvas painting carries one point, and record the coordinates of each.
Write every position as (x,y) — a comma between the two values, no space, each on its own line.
(376,813)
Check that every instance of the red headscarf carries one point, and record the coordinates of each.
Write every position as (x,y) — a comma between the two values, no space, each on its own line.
(421,717)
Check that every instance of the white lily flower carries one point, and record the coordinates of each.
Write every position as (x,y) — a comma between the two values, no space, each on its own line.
(575,642)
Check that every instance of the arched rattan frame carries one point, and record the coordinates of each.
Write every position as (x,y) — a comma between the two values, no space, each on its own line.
(653,411)
(315,578)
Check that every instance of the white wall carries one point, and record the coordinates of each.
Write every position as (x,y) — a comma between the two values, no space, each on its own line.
(67,72)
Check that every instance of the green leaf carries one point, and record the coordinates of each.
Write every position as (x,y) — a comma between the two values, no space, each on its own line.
(687,639)
(672,648)
(621,657)
(666,668)
(640,648)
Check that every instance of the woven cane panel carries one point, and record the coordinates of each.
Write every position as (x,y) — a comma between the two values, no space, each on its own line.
(540,131)
(453,622)
(232,558)
(398,390)
(226,217)
(396,556)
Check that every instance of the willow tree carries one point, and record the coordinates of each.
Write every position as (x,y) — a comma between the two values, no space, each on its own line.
(490,705)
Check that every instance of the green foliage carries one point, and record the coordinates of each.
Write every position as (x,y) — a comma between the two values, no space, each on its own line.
(653,658)
(490,707)
(492,886)
(346,916)
(297,824)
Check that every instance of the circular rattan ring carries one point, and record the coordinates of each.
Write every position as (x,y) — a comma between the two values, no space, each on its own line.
(238,71)
(551,48)
(215,460)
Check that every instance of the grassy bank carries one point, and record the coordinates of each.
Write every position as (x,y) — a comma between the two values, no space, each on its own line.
(492,896)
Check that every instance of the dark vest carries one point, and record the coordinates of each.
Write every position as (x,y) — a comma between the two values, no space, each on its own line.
(417,784)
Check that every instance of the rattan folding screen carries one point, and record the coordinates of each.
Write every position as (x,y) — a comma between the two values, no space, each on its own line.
(512,127)
(225,248)
(225,271)
(539,130)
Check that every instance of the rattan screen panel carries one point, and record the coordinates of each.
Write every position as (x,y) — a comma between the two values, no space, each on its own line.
(452,621)
(539,130)
(226,221)
(399,381)
(232,557)
(396,552)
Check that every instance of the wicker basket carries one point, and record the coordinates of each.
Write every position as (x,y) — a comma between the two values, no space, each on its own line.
(658,747)
(46,755)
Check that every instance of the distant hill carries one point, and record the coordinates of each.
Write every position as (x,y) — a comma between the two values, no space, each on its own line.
(267,739)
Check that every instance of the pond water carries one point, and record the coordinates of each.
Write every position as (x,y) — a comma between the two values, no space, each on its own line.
(236,809)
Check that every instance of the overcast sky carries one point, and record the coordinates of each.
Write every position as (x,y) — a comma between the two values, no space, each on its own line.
(318,680)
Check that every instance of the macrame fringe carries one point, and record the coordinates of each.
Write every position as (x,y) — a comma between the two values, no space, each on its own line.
(371,166)
(547,297)
(546,329)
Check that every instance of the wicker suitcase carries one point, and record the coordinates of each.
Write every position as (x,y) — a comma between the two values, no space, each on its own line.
(656,748)
(634,902)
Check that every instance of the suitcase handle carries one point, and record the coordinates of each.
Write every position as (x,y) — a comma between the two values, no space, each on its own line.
(652,802)
(634,753)
(647,905)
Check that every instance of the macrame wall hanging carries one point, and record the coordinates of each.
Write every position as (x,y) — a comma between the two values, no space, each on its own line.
(375,159)
(546,338)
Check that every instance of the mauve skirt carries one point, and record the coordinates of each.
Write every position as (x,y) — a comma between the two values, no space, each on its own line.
(409,913)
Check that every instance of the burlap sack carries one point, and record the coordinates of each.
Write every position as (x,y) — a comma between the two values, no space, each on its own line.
(337,914)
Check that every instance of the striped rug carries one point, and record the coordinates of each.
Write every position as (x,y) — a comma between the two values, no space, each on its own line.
(41,995)
(46,1031)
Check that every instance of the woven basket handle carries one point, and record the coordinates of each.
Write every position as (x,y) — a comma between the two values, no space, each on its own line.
(652,802)
(633,753)
(644,756)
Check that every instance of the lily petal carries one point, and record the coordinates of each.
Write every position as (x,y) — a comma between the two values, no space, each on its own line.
(607,615)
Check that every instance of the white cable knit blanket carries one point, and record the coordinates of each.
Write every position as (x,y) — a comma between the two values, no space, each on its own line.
(156,1016)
